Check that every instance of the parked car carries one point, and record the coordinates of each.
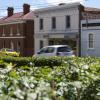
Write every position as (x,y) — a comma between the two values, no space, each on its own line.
(9,52)
(55,50)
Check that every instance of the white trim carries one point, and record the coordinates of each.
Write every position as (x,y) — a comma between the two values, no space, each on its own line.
(12,37)
(12,22)
(3,34)
(18,32)
(11,31)
(58,7)
(12,45)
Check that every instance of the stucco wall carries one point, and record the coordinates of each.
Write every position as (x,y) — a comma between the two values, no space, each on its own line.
(60,15)
(85,50)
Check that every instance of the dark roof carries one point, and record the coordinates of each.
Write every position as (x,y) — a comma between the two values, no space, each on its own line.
(18,16)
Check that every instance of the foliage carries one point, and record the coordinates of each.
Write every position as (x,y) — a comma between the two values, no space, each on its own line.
(50,78)
(37,61)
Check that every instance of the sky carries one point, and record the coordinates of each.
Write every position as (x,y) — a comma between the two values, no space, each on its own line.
(17,4)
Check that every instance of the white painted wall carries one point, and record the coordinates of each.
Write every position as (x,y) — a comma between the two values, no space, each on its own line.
(60,14)
(85,51)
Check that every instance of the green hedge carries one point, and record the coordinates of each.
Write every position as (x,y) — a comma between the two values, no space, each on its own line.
(35,61)
(73,78)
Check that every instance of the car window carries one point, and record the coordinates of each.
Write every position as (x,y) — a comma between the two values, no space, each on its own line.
(64,49)
(47,50)
(42,51)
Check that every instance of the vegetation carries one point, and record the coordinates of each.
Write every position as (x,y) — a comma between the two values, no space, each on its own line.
(49,78)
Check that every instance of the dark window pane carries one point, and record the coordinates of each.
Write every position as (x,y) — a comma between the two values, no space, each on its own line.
(67,21)
(53,22)
(41,24)
(41,44)
(63,49)
(90,40)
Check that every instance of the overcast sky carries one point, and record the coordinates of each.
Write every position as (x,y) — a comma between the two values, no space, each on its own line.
(40,3)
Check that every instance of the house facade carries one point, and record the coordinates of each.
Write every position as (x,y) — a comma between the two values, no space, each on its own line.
(58,25)
(90,32)
(17,31)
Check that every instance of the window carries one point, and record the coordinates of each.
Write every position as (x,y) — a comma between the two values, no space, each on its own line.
(41,44)
(47,50)
(90,24)
(53,22)
(3,44)
(64,49)
(41,24)
(51,42)
(68,21)
(18,46)
(3,33)
(90,44)
(18,26)
(11,31)
(12,45)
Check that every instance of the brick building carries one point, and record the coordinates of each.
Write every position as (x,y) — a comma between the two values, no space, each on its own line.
(17,31)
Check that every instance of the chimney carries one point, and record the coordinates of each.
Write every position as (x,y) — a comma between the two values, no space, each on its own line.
(10,11)
(26,9)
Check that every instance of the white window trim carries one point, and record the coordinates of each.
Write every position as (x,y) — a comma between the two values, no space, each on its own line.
(3,34)
(12,45)
(18,34)
(18,46)
(52,28)
(67,28)
(11,31)
(88,41)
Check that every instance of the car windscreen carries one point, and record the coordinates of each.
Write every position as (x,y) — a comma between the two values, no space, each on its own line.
(64,49)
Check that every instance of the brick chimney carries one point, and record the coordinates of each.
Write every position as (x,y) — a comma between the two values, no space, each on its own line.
(10,11)
(26,9)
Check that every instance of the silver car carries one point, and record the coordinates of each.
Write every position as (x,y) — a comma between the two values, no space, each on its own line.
(55,50)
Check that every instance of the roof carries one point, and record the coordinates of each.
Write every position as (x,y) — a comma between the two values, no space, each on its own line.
(91,13)
(59,6)
(18,16)
(91,9)
(56,46)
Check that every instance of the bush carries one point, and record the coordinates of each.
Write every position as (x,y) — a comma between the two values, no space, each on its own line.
(36,61)
(75,79)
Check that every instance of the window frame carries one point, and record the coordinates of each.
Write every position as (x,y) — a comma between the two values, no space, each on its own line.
(89,41)
(68,21)
(41,44)
(41,22)
(53,22)
(11,31)
(12,45)
(3,31)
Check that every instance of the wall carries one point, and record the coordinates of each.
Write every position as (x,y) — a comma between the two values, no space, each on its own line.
(60,15)
(29,40)
(85,51)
